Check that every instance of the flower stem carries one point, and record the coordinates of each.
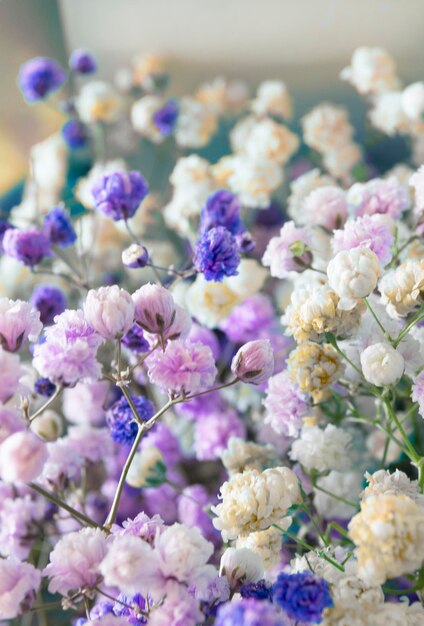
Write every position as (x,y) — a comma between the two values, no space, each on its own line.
(63,505)
(50,401)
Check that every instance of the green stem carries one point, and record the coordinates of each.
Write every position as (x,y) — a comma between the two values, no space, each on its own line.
(310,548)
(380,325)
(50,401)
(419,315)
(339,498)
(63,505)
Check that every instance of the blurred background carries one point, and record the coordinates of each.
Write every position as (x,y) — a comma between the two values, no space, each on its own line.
(303,42)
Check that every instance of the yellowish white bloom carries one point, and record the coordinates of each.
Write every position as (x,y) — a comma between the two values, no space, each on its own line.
(383,482)
(240,455)
(250,279)
(326,128)
(388,115)
(371,70)
(254,180)
(210,302)
(301,187)
(314,367)
(142,112)
(241,565)
(322,449)
(266,544)
(382,364)
(270,141)
(272,98)
(413,101)
(48,425)
(340,161)
(253,501)
(98,101)
(353,275)
(343,485)
(196,123)
(389,536)
(48,164)
(402,289)
(144,466)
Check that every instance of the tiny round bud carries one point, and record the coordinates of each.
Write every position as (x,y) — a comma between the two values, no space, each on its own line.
(382,364)
(241,566)
(48,425)
(135,256)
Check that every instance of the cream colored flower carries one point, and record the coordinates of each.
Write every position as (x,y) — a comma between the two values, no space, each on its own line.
(353,275)
(382,364)
(240,455)
(272,142)
(250,279)
(413,101)
(142,112)
(241,565)
(371,70)
(340,161)
(314,311)
(314,367)
(326,127)
(98,102)
(266,543)
(146,67)
(48,425)
(48,162)
(387,114)
(389,536)
(210,302)
(300,189)
(196,123)
(254,180)
(402,289)
(253,501)
(383,482)
(322,449)
(272,98)
(144,466)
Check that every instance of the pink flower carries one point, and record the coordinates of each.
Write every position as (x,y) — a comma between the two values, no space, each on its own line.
(213,431)
(141,526)
(19,321)
(110,311)
(325,206)
(19,583)
(184,367)
(371,231)
(22,457)
(68,355)
(10,422)
(11,373)
(75,559)
(19,523)
(84,403)
(289,252)
(378,195)
(179,608)
(418,392)
(254,362)
(285,405)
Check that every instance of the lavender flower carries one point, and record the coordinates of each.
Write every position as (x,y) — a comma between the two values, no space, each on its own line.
(134,615)
(254,316)
(192,511)
(222,208)
(82,62)
(302,596)
(110,311)
(27,246)
(44,387)
(40,77)
(371,231)
(19,583)
(184,367)
(119,194)
(49,301)
(289,252)
(249,612)
(285,405)
(262,590)
(213,431)
(134,340)
(254,362)
(19,321)
(217,254)
(121,420)
(165,118)
(378,195)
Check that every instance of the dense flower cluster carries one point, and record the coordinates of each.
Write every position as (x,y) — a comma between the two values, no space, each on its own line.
(212,391)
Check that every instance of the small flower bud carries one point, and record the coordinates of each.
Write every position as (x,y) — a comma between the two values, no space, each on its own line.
(241,566)
(254,362)
(135,256)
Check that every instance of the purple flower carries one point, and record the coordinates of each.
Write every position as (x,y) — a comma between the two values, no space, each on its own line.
(222,208)
(19,321)
(49,301)
(135,341)
(262,590)
(253,316)
(302,596)
(121,420)
(213,431)
(119,194)
(245,242)
(378,195)
(27,246)
(4,226)
(254,362)
(165,118)
(206,336)
(44,387)
(192,507)
(249,612)
(59,228)
(371,231)
(74,134)
(141,526)
(184,367)
(285,405)
(163,438)
(19,583)
(39,77)
(82,62)
(201,406)
(102,608)
(217,254)
(134,615)
(135,256)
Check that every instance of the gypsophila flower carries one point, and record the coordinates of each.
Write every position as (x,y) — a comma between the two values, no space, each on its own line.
(418,392)
(183,368)
(285,405)
(75,560)
(58,226)
(383,482)
(98,101)
(240,565)
(166,117)
(23,455)
(222,208)
(135,256)
(402,289)
(382,364)
(249,612)
(372,231)
(289,252)
(74,134)
(213,431)
(240,455)
(217,254)
(44,387)
(254,362)
(272,98)
(82,62)
(19,321)
(353,275)
(322,449)
(49,302)
(255,500)
(385,196)
(325,206)
(259,591)
(155,309)
(134,340)
(19,583)
(254,315)
(27,246)
(372,70)
(40,77)
(302,596)
(122,421)
(119,194)
(314,368)
(110,311)
(267,544)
